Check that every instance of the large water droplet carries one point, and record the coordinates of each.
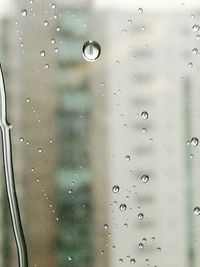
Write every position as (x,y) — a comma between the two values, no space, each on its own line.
(91,51)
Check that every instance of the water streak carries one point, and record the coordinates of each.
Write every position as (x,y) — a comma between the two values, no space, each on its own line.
(9,177)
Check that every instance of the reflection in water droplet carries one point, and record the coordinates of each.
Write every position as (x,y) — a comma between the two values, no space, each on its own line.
(91,51)
(145,115)
(197,211)
(145,178)
(122,207)
(115,189)
(24,12)
(194,141)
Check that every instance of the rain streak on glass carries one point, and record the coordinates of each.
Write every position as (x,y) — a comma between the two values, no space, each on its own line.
(91,51)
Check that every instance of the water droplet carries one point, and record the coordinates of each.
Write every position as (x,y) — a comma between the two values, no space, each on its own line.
(58,29)
(197,211)
(42,53)
(132,261)
(51,141)
(140,216)
(140,10)
(40,150)
(27,143)
(195,28)
(145,178)
(24,12)
(198,37)
(122,207)
(194,141)
(56,50)
(37,180)
(53,41)
(141,245)
(106,226)
(158,248)
(127,157)
(144,130)
(130,21)
(121,260)
(27,99)
(53,5)
(70,258)
(91,51)
(126,225)
(190,64)
(46,66)
(102,252)
(194,50)
(21,139)
(46,23)
(115,189)
(145,115)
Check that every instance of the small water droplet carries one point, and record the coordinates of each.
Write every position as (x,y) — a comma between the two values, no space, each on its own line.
(56,50)
(58,28)
(144,130)
(141,245)
(140,216)
(158,248)
(194,50)
(130,21)
(37,180)
(145,178)
(127,157)
(40,150)
(70,258)
(46,23)
(195,28)
(190,64)
(46,66)
(194,141)
(42,53)
(24,12)
(53,5)
(105,226)
(91,51)
(115,189)
(53,41)
(21,139)
(197,211)
(140,10)
(121,260)
(144,115)
(132,261)
(122,207)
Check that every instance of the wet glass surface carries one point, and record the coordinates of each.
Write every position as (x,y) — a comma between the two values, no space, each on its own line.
(103,99)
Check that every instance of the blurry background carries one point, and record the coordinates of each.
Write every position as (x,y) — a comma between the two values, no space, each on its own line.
(106,164)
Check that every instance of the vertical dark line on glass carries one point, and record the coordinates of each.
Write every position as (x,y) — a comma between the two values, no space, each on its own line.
(188,171)
(9,178)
